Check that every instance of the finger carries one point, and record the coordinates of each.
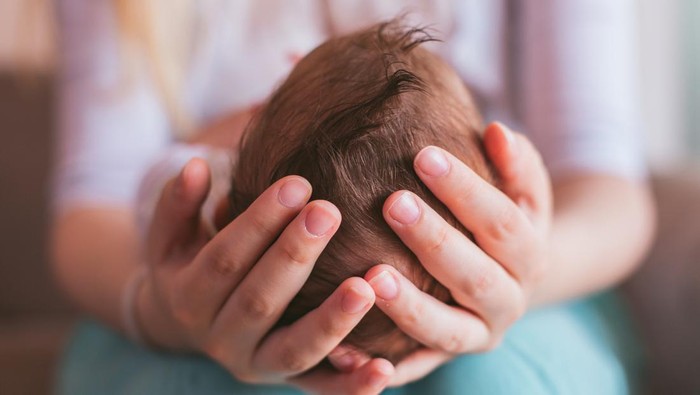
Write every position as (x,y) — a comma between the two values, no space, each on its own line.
(500,228)
(228,257)
(176,218)
(474,279)
(418,365)
(424,318)
(346,358)
(523,174)
(308,341)
(260,299)
(371,378)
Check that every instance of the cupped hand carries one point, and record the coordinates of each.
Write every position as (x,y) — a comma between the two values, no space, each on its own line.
(223,296)
(491,278)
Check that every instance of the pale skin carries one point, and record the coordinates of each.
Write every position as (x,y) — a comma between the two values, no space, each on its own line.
(535,244)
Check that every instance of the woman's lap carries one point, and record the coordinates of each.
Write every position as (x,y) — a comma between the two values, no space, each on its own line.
(584,347)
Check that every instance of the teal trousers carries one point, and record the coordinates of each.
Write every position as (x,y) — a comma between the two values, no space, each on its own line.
(583,347)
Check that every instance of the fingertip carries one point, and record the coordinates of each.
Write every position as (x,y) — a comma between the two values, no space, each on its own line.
(357,296)
(380,372)
(505,132)
(195,170)
(322,218)
(391,199)
(498,138)
(360,285)
(375,270)
(328,207)
(402,208)
(384,282)
(501,146)
(432,161)
(193,180)
(383,366)
(294,191)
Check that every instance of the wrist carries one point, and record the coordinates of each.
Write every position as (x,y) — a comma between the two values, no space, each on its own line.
(156,330)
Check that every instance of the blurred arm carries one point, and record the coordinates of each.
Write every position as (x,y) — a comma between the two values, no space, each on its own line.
(110,127)
(602,227)
(577,96)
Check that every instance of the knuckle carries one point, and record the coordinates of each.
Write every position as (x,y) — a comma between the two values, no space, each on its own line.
(453,344)
(414,314)
(470,186)
(184,316)
(224,263)
(182,310)
(255,308)
(258,222)
(332,328)
(291,361)
(225,267)
(483,284)
(295,253)
(436,243)
(504,225)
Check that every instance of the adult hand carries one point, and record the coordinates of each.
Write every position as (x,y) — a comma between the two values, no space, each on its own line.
(490,278)
(222,296)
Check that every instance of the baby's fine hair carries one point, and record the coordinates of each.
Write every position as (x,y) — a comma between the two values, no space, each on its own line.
(350,118)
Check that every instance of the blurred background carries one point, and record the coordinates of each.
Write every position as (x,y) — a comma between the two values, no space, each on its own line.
(34,317)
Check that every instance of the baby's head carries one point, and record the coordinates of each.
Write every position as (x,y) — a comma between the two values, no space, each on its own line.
(350,119)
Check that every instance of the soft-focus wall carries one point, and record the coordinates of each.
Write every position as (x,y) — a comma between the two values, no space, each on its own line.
(34,318)
(27,35)
(669,73)
(661,82)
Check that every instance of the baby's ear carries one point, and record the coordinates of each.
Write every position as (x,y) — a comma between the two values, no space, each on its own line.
(222,214)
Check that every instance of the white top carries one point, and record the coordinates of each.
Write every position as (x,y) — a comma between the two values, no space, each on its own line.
(562,71)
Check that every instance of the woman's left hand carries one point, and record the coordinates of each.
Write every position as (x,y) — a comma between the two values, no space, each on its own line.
(491,279)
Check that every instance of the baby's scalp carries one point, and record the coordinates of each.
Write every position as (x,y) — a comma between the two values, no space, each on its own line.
(350,118)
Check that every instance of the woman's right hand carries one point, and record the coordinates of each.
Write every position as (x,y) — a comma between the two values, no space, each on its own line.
(222,296)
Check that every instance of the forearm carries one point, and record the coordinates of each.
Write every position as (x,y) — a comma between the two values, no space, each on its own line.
(602,227)
(94,251)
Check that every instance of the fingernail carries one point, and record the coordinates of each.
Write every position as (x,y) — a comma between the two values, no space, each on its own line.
(319,221)
(293,193)
(354,301)
(432,162)
(405,209)
(508,134)
(384,285)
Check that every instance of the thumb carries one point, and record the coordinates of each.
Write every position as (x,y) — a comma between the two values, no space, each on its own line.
(176,222)
(523,175)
